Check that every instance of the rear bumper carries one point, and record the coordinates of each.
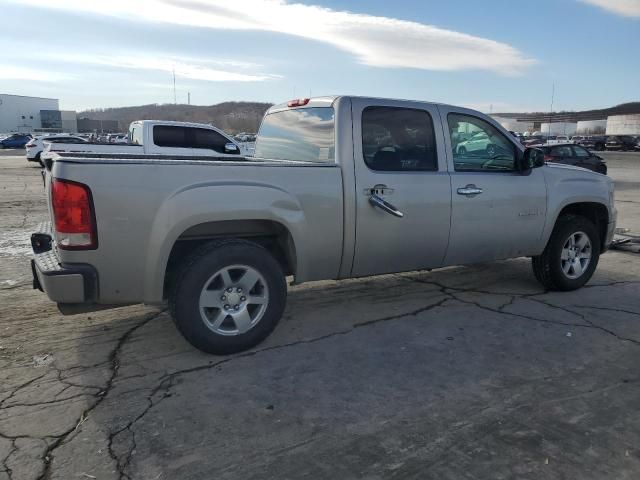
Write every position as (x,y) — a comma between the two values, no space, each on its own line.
(63,283)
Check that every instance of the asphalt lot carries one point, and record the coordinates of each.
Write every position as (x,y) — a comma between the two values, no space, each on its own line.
(466,372)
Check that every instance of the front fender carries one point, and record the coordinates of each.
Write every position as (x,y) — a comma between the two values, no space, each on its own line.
(210,202)
(567,187)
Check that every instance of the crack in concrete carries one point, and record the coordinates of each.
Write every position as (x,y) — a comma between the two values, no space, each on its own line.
(166,382)
(100,396)
(591,324)
(535,298)
(162,390)
(5,461)
(15,391)
(49,402)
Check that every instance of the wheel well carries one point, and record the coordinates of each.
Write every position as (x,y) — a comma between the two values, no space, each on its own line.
(596,212)
(271,235)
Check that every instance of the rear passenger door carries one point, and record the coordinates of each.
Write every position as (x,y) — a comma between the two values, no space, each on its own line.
(170,140)
(403,192)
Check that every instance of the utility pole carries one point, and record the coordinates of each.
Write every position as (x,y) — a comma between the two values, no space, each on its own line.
(175,99)
(188,98)
(553,91)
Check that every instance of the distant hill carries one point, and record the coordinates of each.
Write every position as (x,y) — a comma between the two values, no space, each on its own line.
(232,117)
(601,114)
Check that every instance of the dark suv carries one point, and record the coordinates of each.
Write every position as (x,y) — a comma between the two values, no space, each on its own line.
(570,154)
(593,142)
(620,143)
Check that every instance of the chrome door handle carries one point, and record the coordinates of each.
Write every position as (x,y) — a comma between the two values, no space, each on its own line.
(470,190)
(376,201)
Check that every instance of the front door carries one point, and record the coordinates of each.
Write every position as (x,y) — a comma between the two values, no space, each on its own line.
(497,212)
(403,191)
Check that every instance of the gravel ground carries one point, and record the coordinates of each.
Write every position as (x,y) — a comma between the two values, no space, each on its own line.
(466,372)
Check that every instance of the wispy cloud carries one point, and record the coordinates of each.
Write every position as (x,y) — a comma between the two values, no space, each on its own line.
(373,40)
(626,8)
(16,72)
(192,69)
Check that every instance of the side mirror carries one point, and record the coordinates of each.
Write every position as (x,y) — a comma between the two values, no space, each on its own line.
(532,158)
(231,148)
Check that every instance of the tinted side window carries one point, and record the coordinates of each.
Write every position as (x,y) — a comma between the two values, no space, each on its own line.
(581,152)
(170,136)
(479,146)
(209,139)
(562,151)
(398,139)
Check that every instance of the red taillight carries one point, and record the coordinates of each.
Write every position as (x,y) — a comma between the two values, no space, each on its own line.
(73,215)
(298,102)
(548,158)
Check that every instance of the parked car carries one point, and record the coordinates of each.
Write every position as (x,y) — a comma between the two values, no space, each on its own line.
(533,140)
(36,145)
(620,143)
(160,137)
(557,140)
(570,154)
(480,143)
(340,187)
(593,142)
(15,140)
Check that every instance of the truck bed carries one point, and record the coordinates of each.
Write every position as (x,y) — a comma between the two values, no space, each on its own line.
(142,158)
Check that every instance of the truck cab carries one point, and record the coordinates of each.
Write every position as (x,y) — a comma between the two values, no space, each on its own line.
(182,138)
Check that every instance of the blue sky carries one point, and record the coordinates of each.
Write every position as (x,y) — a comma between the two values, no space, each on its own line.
(483,54)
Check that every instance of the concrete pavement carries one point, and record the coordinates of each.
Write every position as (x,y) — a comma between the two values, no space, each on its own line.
(466,372)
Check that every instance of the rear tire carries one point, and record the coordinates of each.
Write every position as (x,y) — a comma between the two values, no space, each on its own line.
(204,312)
(563,267)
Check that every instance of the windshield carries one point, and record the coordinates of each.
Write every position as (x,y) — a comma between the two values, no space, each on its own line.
(302,134)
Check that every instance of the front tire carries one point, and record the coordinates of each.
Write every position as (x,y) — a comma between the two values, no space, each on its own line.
(571,255)
(228,297)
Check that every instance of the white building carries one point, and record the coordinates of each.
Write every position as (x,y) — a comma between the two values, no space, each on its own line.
(558,128)
(623,125)
(591,127)
(513,124)
(22,114)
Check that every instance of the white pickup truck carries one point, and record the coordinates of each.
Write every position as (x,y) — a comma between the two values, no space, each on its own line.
(339,187)
(157,137)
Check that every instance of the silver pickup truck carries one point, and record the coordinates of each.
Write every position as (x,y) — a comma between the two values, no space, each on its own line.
(339,187)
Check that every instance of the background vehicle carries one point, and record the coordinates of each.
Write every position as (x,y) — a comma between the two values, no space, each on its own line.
(557,139)
(593,142)
(480,142)
(155,137)
(532,140)
(340,187)
(36,145)
(570,154)
(620,143)
(15,140)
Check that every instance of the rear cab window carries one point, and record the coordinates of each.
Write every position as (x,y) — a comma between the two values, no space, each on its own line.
(298,134)
(398,139)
